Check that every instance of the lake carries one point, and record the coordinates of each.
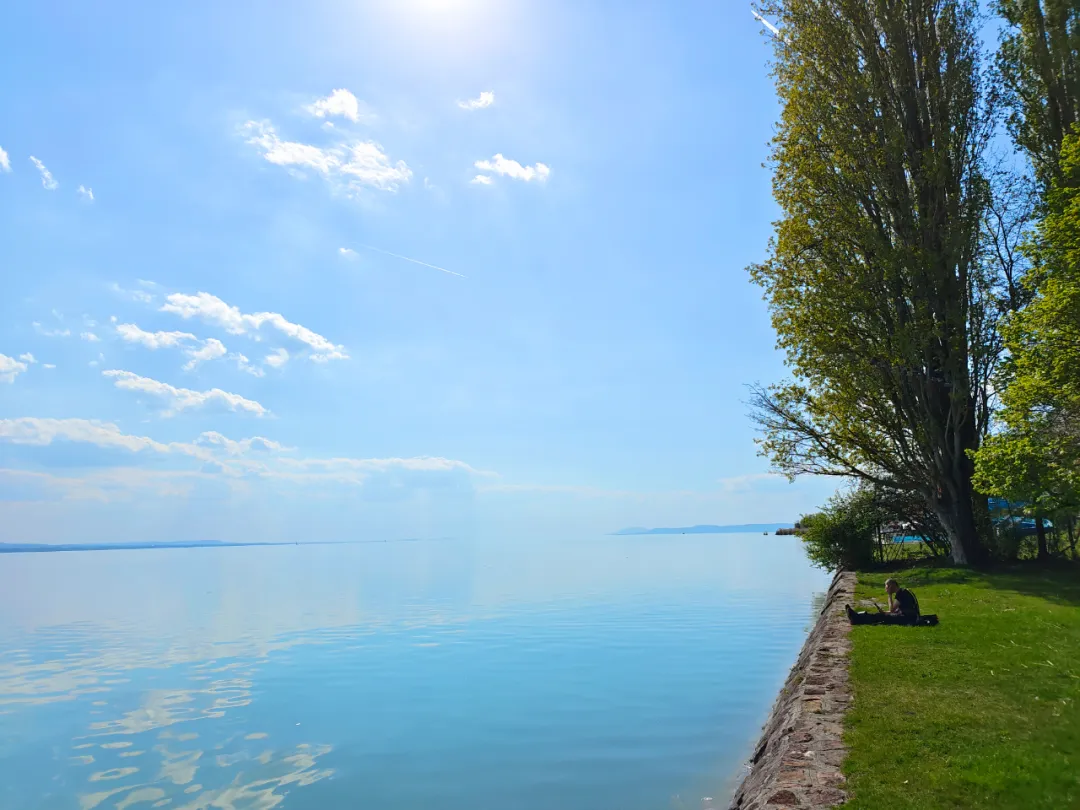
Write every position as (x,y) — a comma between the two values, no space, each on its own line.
(602,672)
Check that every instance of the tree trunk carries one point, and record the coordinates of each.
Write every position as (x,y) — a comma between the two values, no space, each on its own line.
(959,533)
(1040,533)
(961,526)
(957,508)
(1072,540)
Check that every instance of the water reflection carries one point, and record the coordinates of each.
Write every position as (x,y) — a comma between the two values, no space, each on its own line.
(258,785)
(163,709)
(178,769)
(413,673)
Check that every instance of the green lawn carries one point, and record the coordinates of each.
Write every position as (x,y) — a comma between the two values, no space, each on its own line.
(980,711)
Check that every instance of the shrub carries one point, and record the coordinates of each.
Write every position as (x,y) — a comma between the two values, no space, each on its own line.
(844,534)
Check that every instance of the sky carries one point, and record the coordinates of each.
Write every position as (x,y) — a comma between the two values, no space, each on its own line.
(370,270)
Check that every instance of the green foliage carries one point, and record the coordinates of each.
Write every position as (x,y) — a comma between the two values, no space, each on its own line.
(1036,457)
(1040,76)
(876,282)
(1026,465)
(843,534)
(856,527)
(980,711)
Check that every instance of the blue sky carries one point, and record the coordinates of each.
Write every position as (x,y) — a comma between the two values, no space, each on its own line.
(204,333)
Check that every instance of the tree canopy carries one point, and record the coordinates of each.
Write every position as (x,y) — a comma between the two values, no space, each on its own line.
(876,279)
(1040,76)
(1036,457)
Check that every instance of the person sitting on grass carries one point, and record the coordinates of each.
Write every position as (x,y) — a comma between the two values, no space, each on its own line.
(903,608)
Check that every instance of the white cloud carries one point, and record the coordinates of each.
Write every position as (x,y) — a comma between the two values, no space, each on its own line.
(108,485)
(47,180)
(244,364)
(513,169)
(290,153)
(88,193)
(27,358)
(195,349)
(343,103)
(180,399)
(5,161)
(212,309)
(211,349)
(33,431)
(276,360)
(481,180)
(416,464)
(256,456)
(485,99)
(10,368)
(349,166)
(43,330)
(48,365)
(236,448)
(347,253)
(141,296)
(90,337)
(153,340)
(43,432)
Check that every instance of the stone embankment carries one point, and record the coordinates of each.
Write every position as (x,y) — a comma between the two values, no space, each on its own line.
(798,759)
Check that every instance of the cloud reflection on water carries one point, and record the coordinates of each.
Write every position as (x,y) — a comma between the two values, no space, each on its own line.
(162,653)
(258,786)
(234,779)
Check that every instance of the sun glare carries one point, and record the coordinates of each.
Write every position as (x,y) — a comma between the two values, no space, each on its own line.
(444,27)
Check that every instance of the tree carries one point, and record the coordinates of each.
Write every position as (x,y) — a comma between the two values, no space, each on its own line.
(876,278)
(1036,457)
(1040,76)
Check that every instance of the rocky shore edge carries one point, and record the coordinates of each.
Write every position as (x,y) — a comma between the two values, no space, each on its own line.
(797,762)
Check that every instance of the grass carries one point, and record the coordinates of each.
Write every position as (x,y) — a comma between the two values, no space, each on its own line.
(980,711)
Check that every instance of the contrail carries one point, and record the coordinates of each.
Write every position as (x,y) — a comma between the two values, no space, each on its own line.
(414,261)
(775,31)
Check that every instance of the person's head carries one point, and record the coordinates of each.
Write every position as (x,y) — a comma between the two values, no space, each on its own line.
(891,586)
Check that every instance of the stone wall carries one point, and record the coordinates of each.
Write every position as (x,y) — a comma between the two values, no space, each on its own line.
(797,761)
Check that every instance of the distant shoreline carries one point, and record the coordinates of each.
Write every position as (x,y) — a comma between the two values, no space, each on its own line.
(48,548)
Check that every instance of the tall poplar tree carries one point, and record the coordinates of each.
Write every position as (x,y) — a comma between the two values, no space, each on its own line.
(1040,74)
(875,280)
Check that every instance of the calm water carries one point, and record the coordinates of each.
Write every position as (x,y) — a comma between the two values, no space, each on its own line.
(606,673)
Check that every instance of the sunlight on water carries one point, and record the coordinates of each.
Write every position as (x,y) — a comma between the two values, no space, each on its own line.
(629,672)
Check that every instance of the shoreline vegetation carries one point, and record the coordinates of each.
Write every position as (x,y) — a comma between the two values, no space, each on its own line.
(923,281)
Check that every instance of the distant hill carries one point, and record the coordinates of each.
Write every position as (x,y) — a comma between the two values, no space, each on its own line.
(741,528)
